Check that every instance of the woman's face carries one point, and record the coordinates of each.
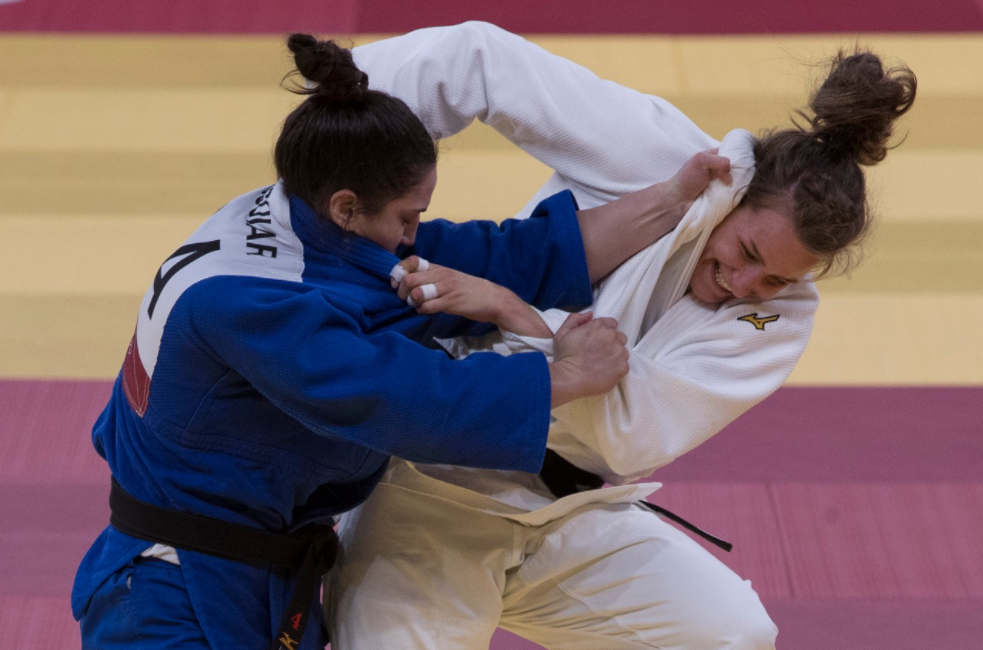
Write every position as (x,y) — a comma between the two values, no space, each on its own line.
(753,253)
(395,224)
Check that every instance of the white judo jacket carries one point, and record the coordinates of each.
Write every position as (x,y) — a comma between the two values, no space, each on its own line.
(694,368)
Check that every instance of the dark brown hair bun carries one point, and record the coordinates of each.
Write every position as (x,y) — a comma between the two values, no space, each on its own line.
(329,68)
(856,106)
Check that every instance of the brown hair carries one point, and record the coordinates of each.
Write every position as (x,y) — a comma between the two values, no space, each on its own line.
(812,171)
(347,136)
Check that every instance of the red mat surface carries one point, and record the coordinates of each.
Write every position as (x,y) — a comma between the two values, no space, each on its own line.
(847,434)
(883,540)
(45,432)
(851,625)
(856,513)
(550,16)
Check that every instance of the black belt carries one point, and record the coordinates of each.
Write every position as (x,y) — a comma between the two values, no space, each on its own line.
(310,552)
(563,478)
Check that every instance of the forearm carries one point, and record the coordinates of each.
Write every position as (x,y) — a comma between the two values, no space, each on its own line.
(614,232)
(516,316)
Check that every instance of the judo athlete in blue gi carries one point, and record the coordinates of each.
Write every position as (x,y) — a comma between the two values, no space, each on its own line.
(274,369)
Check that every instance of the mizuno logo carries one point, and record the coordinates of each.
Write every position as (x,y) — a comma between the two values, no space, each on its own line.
(759,323)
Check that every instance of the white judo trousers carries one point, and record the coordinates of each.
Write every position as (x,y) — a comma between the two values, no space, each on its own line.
(421,571)
(439,556)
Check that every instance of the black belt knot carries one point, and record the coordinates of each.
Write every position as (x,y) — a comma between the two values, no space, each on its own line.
(563,478)
(323,546)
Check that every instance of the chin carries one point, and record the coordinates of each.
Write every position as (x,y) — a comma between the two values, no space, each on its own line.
(708,295)
(702,297)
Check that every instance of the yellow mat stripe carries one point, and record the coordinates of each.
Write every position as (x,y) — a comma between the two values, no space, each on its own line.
(117,254)
(106,165)
(493,182)
(858,340)
(669,65)
(895,340)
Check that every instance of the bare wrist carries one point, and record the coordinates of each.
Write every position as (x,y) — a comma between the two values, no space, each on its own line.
(563,385)
(516,316)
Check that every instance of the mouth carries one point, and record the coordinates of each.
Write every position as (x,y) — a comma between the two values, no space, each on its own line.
(719,277)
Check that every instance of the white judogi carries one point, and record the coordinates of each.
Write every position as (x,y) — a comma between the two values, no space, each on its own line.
(440,556)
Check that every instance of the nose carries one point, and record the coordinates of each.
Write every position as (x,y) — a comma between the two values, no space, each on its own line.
(409,233)
(747,281)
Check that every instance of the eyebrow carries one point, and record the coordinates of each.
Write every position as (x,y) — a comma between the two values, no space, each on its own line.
(757,254)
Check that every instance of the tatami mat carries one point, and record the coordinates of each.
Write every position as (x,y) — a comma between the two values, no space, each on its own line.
(37,622)
(900,544)
(855,510)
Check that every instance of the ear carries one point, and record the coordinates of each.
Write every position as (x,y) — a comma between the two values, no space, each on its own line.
(342,207)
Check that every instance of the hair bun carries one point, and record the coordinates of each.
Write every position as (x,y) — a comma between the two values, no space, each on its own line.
(856,106)
(329,69)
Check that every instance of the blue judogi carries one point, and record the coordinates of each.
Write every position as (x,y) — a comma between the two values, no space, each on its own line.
(272,373)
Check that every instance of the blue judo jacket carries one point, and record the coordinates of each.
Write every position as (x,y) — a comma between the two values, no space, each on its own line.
(273,371)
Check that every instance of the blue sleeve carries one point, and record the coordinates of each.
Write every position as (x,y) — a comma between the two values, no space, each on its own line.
(540,258)
(382,390)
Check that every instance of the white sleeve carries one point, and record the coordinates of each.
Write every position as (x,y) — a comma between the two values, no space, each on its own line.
(603,139)
(693,373)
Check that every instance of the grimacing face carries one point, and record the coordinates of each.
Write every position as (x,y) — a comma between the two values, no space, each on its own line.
(753,253)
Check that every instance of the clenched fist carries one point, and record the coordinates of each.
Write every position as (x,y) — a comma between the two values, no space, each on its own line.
(589,357)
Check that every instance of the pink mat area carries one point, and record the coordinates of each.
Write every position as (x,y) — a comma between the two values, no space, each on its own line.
(883,540)
(855,625)
(846,434)
(856,513)
(45,431)
(30,623)
(879,625)
(556,16)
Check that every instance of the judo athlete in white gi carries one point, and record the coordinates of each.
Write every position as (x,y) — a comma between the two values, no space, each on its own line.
(716,313)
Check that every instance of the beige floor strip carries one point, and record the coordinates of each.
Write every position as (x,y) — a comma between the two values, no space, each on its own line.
(894,339)
(912,185)
(194,120)
(858,340)
(90,255)
(106,165)
(247,119)
(751,65)
(135,184)
(65,336)
(119,254)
